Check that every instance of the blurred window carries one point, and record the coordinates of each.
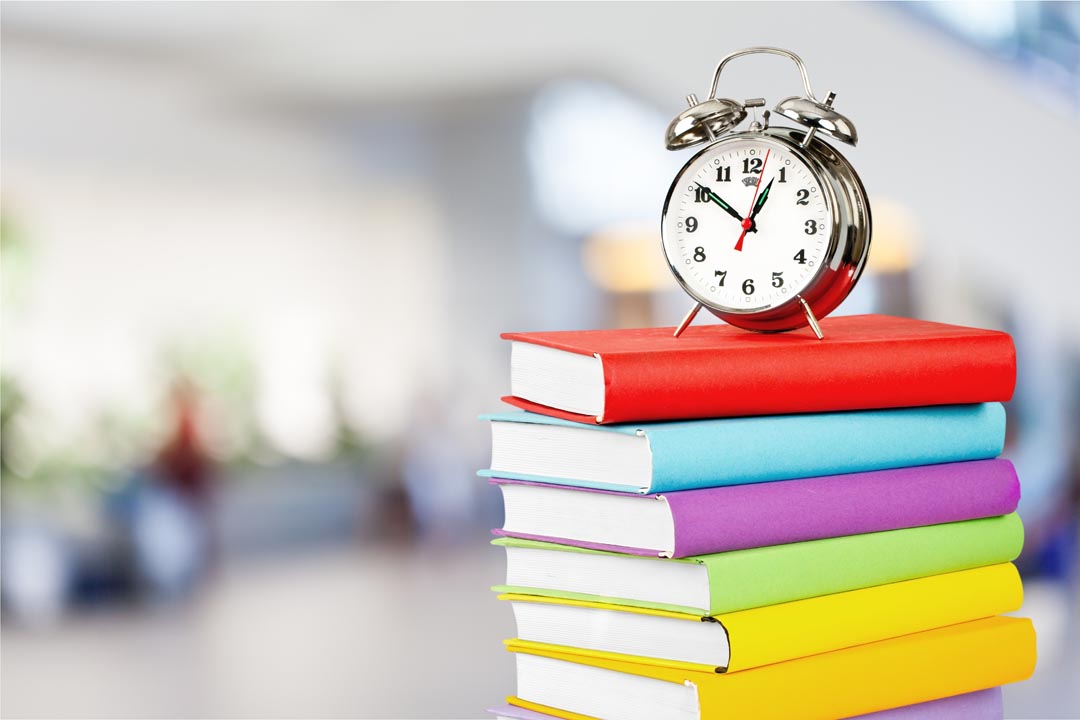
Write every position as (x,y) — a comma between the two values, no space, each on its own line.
(1039,39)
(596,157)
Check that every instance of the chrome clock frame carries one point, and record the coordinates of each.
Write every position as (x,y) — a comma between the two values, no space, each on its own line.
(845,255)
(710,123)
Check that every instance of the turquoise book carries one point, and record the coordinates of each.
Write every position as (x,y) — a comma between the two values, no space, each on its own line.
(671,456)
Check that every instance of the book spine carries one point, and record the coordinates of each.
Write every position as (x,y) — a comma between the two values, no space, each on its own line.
(738,451)
(782,573)
(745,516)
(806,378)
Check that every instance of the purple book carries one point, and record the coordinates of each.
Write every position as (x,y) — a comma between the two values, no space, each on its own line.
(712,520)
(980,705)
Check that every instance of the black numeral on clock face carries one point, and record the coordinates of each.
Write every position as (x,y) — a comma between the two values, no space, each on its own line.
(751,165)
(750,273)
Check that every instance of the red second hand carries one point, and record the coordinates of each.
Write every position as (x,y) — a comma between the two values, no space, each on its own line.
(746,223)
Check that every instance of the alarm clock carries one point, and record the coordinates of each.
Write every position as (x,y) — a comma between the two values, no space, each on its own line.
(768,228)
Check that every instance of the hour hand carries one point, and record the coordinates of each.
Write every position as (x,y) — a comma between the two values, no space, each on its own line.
(761,200)
(720,201)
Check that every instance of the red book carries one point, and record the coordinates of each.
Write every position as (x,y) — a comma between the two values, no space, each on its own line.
(864,362)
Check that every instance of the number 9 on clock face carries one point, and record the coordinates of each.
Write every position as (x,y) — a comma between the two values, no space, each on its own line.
(747,225)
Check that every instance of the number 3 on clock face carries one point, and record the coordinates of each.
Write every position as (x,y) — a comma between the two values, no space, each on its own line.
(747,225)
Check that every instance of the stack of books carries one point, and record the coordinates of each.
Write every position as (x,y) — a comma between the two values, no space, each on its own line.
(731,524)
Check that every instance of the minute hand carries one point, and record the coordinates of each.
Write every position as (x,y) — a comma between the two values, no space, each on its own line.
(720,201)
(748,223)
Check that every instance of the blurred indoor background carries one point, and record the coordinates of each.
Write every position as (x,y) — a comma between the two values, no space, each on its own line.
(256,258)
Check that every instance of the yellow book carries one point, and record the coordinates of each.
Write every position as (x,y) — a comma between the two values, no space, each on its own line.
(761,636)
(575,684)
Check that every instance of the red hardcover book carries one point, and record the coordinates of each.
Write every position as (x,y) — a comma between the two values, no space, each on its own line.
(864,362)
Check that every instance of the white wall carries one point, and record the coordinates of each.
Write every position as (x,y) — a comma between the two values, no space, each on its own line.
(154,150)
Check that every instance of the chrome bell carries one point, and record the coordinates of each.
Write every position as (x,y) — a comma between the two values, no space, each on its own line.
(819,117)
(703,122)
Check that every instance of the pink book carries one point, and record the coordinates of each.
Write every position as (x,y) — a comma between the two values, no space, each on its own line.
(711,520)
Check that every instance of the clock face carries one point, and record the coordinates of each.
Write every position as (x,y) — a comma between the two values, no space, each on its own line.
(747,225)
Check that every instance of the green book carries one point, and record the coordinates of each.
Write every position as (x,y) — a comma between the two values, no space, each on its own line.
(741,579)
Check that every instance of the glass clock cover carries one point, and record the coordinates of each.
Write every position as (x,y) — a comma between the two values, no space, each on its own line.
(747,225)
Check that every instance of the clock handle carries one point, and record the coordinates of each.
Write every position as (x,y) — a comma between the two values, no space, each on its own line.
(769,51)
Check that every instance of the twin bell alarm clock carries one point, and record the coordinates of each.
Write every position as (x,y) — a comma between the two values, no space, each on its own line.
(767,227)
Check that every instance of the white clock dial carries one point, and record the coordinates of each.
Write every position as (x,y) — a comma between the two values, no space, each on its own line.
(747,225)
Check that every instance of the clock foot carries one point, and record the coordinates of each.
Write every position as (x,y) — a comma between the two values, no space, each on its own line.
(688,319)
(811,319)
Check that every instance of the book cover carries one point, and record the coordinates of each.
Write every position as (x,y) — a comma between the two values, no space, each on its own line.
(786,631)
(979,705)
(743,579)
(901,671)
(864,361)
(736,451)
(711,520)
